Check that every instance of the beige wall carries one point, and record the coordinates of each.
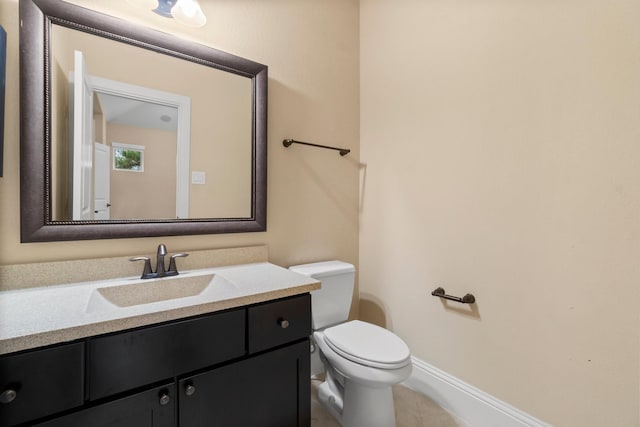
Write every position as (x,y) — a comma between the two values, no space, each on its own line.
(502,152)
(311,49)
(152,192)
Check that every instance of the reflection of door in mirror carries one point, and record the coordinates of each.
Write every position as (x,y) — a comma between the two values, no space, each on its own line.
(101,182)
(82,164)
(219,140)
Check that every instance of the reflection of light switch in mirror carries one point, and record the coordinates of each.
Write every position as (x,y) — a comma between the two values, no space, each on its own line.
(198,177)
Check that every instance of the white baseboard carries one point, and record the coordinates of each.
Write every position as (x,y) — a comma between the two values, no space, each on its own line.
(471,406)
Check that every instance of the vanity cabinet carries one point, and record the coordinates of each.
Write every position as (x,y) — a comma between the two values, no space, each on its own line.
(38,383)
(247,366)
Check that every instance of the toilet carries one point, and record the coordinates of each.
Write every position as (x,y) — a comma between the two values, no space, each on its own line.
(361,360)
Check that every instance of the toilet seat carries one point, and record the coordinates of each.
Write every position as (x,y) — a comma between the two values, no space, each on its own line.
(368,345)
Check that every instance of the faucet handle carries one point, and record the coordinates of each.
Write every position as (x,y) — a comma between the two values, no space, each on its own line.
(146,272)
(173,270)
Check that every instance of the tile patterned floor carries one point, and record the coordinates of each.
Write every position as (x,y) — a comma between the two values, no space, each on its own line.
(412,410)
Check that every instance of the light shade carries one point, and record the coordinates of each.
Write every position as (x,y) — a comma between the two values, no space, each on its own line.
(187,12)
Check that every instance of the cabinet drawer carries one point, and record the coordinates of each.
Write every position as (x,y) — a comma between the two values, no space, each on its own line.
(275,323)
(135,358)
(44,381)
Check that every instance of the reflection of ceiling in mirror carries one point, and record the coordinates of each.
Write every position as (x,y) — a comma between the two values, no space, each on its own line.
(133,112)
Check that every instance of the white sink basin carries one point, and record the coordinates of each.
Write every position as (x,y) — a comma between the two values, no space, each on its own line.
(52,314)
(139,292)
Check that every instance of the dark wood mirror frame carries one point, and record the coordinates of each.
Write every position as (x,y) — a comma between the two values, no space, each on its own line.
(36,17)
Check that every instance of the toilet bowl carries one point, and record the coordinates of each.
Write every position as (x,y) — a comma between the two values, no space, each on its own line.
(361,360)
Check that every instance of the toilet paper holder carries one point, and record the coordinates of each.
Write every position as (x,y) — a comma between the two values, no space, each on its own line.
(467,299)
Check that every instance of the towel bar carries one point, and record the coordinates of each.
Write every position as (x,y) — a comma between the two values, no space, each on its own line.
(288,142)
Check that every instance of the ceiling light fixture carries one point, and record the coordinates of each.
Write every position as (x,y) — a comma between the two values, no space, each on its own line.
(187,12)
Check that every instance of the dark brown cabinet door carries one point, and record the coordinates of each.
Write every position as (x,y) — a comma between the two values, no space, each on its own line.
(268,390)
(151,408)
(39,383)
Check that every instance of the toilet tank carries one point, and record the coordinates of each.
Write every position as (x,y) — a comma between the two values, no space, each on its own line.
(331,303)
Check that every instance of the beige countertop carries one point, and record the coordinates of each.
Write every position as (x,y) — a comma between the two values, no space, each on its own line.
(35,317)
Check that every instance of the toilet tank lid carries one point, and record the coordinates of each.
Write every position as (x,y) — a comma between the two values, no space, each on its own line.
(324,268)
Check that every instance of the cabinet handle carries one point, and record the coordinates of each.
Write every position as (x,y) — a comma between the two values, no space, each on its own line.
(164,398)
(8,396)
(190,390)
(284,323)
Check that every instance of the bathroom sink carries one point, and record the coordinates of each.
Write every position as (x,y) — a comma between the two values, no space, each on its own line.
(150,291)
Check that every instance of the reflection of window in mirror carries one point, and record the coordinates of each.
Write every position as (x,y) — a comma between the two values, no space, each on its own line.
(128,157)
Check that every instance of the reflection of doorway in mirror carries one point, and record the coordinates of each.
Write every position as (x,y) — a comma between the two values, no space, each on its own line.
(161,120)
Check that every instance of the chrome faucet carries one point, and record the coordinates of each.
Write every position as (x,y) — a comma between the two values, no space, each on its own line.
(162,251)
(147,273)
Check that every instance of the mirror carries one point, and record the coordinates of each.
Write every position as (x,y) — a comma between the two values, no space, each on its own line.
(202,155)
